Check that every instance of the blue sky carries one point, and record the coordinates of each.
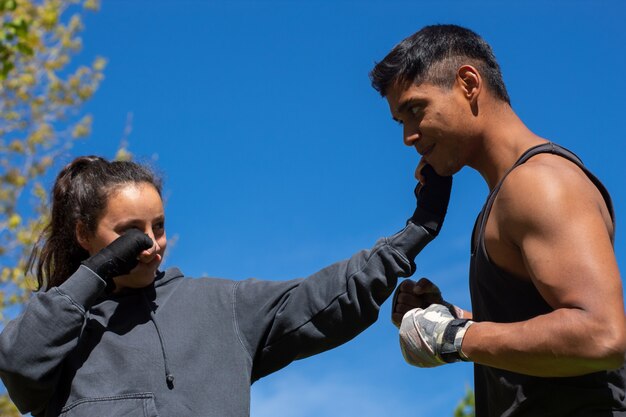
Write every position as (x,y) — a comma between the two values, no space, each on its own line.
(279,158)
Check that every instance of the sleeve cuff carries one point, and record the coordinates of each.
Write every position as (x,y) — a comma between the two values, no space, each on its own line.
(84,286)
(411,240)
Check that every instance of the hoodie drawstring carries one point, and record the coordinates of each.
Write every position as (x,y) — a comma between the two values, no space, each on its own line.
(169,378)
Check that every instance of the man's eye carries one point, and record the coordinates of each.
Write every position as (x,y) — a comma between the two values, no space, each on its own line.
(415,110)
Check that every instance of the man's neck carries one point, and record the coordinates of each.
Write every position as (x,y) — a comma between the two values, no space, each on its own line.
(505,138)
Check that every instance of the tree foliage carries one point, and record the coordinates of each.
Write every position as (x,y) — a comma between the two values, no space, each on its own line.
(41,96)
(466,407)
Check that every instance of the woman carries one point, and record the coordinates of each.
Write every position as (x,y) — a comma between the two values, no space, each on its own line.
(111,335)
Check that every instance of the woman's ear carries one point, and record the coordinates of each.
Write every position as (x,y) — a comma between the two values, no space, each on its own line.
(82,236)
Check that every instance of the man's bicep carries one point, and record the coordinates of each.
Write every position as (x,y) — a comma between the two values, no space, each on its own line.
(566,248)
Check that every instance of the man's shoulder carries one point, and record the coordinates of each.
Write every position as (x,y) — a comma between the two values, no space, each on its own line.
(546,171)
(547,178)
(546,189)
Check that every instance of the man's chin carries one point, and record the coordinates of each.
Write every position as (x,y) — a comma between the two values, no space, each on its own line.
(445,170)
(439,170)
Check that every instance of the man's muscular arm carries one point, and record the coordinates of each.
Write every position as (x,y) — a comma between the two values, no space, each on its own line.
(556,219)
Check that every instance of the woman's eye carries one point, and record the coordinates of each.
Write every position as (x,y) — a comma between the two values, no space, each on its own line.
(126,229)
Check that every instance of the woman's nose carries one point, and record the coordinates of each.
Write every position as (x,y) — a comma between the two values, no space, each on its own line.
(155,245)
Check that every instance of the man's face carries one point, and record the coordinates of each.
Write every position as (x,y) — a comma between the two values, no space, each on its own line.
(435,121)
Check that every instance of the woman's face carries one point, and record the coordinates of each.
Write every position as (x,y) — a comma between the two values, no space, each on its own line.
(133,206)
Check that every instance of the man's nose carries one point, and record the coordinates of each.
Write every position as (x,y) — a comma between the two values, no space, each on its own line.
(411,135)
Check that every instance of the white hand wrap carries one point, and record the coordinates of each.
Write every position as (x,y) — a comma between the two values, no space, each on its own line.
(431,337)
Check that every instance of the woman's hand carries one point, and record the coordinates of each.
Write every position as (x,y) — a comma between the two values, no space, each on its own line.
(121,256)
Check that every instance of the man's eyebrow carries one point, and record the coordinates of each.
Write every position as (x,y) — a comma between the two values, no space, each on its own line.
(410,102)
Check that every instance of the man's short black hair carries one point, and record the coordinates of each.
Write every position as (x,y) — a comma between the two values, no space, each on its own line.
(433,55)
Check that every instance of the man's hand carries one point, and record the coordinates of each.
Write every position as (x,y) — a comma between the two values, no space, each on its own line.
(420,294)
(431,337)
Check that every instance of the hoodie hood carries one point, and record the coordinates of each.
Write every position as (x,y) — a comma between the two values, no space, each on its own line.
(167,276)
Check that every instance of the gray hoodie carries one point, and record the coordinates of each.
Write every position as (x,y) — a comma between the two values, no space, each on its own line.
(188,347)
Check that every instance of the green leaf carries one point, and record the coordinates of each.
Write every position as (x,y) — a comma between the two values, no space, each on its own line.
(21,28)
(25,49)
(6,68)
(7,5)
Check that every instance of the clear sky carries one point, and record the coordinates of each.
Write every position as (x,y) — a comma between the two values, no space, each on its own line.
(279,158)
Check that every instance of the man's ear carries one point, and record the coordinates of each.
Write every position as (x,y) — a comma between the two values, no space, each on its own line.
(82,236)
(470,82)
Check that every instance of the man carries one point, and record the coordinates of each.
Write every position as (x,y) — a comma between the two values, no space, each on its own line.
(547,332)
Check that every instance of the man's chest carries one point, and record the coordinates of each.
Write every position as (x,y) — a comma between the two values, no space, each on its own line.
(502,252)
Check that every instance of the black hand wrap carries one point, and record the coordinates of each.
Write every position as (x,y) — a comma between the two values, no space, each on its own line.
(120,257)
(432,201)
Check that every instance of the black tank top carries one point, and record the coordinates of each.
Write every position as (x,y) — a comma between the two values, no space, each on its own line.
(498,296)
